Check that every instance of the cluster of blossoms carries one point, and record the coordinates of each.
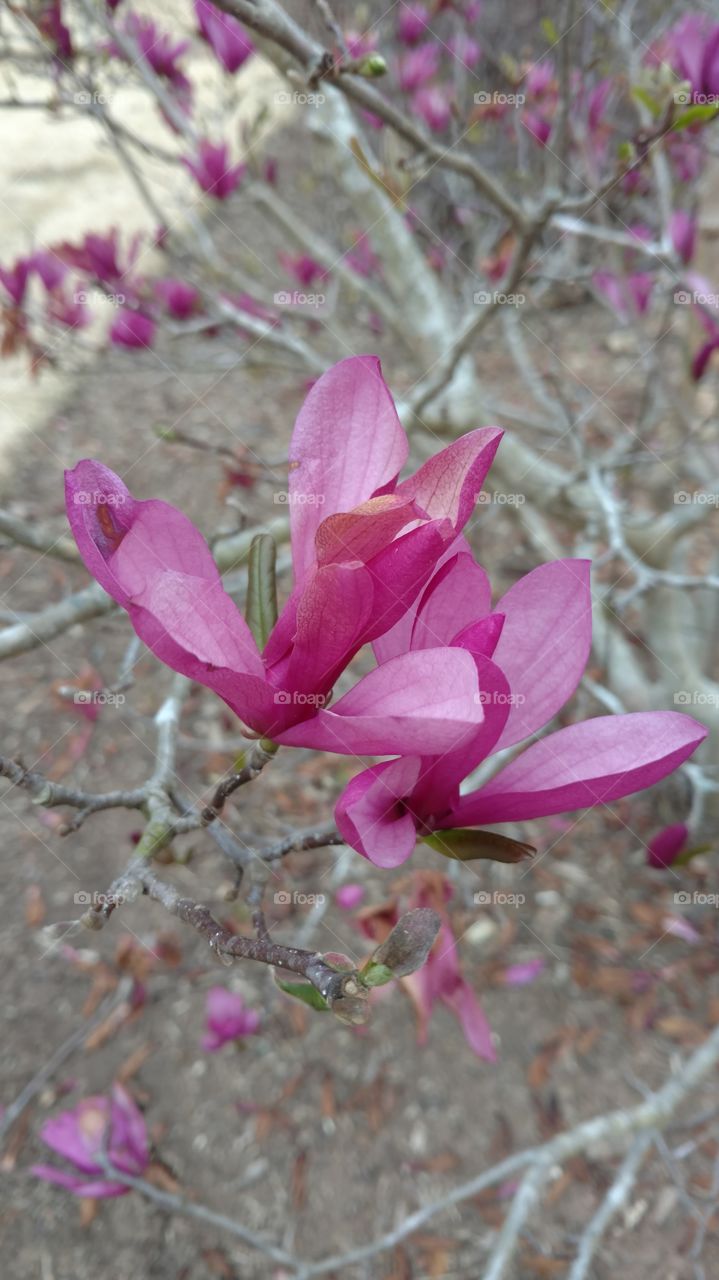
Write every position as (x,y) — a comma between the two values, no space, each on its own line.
(382,561)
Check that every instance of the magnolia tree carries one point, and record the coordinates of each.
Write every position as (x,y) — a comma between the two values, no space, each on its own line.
(473,188)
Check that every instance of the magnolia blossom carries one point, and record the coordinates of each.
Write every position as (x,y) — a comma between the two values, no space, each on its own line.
(530,651)
(666,845)
(228,1018)
(417,67)
(132,328)
(628,295)
(212,170)
(432,103)
(691,47)
(226,37)
(179,298)
(364,544)
(412,22)
(81,1135)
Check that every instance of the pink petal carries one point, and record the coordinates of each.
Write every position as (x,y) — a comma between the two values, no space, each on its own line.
(585,764)
(347,443)
(447,485)
(370,816)
(333,613)
(520,975)
(667,845)
(476,1028)
(89,1190)
(545,643)
(458,595)
(416,701)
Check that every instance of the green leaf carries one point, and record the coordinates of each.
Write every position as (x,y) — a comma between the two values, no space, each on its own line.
(464,844)
(687,854)
(261,608)
(549,31)
(646,99)
(698,113)
(305,992)
(375,975)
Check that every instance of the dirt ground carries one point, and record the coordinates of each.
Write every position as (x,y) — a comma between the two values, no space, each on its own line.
(319,1136)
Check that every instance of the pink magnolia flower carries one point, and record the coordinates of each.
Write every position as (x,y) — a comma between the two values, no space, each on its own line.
(228,1018)
(349,897)
(465,49)
(132,328)
(360,43)
(628,295)
(683,232)
(304,268)
(14,280)
(691,47)
(417,67)
(49,267)
(666,845)
(158,49)
(80,1136)
(212,170)
(226,37)
(363,547)
(530,652)
(179,298)
(412,22)
(100,257)
(432,103)
(539,128)
(49,22)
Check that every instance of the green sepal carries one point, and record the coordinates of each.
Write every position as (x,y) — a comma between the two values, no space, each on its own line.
(465,844)
(261,607)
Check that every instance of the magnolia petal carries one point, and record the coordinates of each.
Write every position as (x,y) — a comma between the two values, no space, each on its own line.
(585,764)
(545,643)
(447,485)
(347,443)
(370,815)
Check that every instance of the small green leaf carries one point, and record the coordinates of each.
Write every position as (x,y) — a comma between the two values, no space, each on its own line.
(464,844)
(375,975)
(549,31)
(646,99)
(696,114)
(372,65)
(687,854)
(261,607)
(305,992)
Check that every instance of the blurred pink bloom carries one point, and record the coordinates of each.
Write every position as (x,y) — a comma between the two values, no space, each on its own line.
(412,22)
(417,67)
(363,546)
(70,312)
(212,170)
(520,975)
(14,280)
(228,1018)
(691,47)
(666,845)
(50,24)
(226,36)
(80,1136)
(178,297)
(362,258)
(158,49)
(349,896)
(539,128)
(628,295)
(467,50)
(433,105)
(48,267)
(132,328)
(598,99)
(682,232)
(360,43)
(99,257)
(530,651)
(304,268)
